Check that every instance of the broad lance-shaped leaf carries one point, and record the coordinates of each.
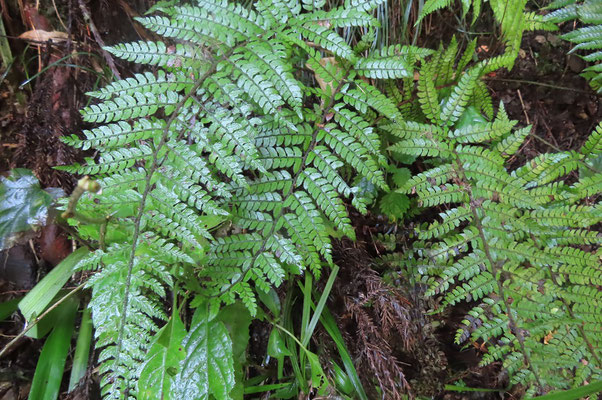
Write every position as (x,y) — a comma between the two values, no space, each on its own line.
(208,367)
(236,318)
(162,362)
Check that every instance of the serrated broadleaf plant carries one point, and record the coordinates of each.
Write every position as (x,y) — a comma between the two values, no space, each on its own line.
(222,174)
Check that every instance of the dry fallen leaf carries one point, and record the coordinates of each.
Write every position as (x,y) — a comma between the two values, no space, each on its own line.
(321,82)
(38,36)
(548,337)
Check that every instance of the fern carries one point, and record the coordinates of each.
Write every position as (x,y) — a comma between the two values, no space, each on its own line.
(509,14)
(221,135)
(588,37)
(509,241)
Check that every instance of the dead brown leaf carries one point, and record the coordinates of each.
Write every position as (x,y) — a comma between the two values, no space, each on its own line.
(38,36)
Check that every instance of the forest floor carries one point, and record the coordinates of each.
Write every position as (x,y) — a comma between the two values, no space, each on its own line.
(39,103)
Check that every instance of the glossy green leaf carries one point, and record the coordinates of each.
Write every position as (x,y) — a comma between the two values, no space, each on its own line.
(208,368)
(42,295)
(82,350)
(236,318)
(277,345)
(23,204)
(470,117)
(9,307)
(271,301)
(162,361)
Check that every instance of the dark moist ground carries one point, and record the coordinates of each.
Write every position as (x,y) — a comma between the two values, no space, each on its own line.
(381,314)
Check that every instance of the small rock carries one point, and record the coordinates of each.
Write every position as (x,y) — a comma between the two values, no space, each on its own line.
(541,39)
(18,267)
(575,63)
(553,39)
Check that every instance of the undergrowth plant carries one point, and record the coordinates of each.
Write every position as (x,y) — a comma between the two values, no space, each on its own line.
(586,38)
(223,172)
(512,16)
(517,242)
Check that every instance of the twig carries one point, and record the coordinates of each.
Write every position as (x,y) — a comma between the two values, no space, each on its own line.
(38,319)
(548,85)
(59,16)
(520,96)
(98,39)
(83,185)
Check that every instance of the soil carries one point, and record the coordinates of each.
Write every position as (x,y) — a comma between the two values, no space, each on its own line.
(545,90)
(40,98)
(382,316)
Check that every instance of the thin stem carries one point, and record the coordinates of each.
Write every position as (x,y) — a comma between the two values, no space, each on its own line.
(83,185)
(98,39)
(548,85)
(39,318)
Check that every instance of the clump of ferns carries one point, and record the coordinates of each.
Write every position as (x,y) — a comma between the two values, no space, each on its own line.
(510,241)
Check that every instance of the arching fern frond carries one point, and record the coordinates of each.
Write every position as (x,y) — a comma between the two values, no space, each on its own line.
(507,240)
(219,175)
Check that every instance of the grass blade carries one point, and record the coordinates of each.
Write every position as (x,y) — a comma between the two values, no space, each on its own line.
(43,294)
(82,350)
(331,327)
(51,364)
(573,394)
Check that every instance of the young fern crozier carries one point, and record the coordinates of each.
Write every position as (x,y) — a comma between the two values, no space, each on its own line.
(223,134)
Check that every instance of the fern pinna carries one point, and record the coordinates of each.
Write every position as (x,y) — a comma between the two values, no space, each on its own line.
(220,135)
(519,244)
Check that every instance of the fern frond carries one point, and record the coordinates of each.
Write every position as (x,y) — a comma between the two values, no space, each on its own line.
(509,239)
(382,69)
(455,105)
(365,5)
(218,175)
(433,5)
(157,53)
(427,94)
(146,82)
(365,96)
(327,39)
(586,38)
